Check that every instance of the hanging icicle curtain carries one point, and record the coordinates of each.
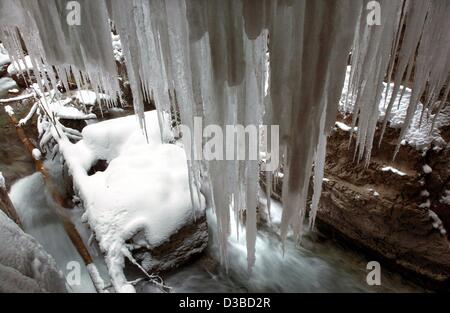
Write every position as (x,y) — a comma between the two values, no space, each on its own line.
(214,53)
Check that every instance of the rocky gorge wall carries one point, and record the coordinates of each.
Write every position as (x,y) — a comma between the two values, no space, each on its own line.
(384,210)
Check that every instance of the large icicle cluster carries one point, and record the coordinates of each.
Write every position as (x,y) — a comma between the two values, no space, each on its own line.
(207,58)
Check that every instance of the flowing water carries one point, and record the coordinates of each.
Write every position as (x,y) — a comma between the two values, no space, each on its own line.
(317,265)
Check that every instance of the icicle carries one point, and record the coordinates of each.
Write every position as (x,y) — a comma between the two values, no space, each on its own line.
(207,59)
(319,164)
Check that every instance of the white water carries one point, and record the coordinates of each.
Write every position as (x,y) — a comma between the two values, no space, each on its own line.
(318,265)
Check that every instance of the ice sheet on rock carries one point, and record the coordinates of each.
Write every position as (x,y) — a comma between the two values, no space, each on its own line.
(24,265)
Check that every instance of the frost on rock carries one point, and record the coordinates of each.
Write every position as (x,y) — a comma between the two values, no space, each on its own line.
(24,265)
(144,189)
(212,55)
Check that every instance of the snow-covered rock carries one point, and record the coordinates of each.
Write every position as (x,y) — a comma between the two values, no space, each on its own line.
(24,265)
(142,198)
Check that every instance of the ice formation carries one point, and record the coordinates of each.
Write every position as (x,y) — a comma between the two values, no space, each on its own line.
(208,59)
(24,264)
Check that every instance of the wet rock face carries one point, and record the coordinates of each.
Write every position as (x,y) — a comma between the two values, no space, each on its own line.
(188,242)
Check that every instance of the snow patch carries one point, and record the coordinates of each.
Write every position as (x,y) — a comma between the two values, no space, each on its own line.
(393,170)
(36,154)
(9,110)
(345,127)
(427,169)
(144,190)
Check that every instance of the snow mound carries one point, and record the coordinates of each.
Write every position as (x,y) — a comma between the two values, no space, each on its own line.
(144,190)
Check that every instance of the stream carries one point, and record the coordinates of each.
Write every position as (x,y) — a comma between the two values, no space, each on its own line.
(318,265)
